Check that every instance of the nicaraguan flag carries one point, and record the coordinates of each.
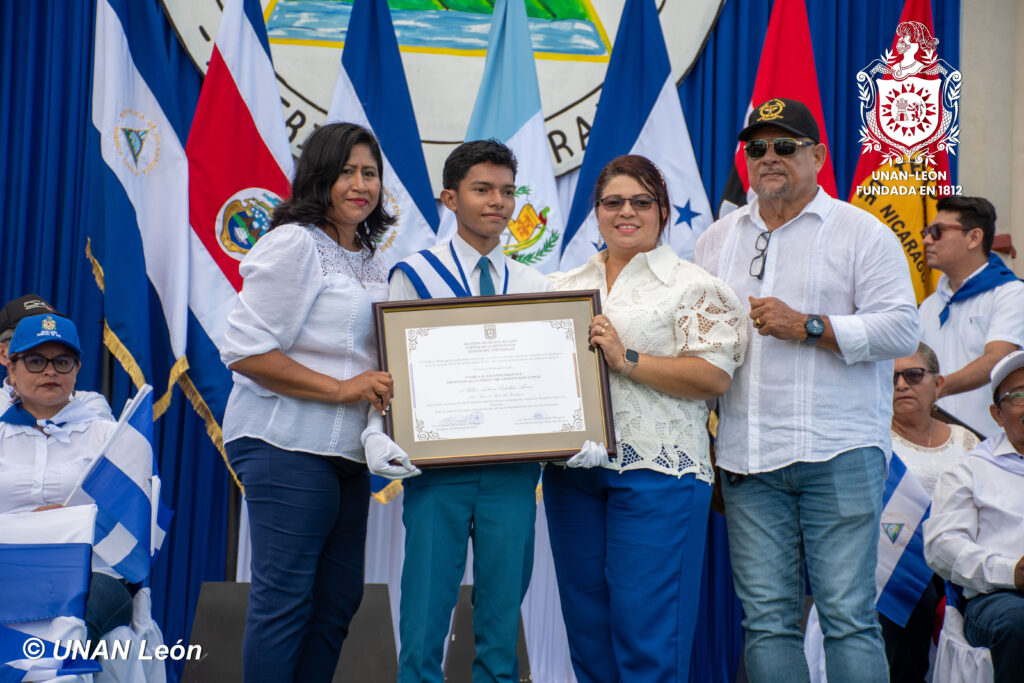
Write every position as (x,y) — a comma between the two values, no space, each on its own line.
(239,169)
(508,108)
(131,522)
(902,574)
(45,566)
(639,113)
(138,226)
(372,91)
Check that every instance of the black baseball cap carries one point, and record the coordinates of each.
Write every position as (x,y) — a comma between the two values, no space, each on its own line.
(22,307)
(790,115)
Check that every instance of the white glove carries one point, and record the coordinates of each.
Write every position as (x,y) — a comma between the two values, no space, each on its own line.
(383,456)
(591,455)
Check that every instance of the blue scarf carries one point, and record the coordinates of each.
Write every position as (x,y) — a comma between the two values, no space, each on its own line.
(994,275)
(17,415)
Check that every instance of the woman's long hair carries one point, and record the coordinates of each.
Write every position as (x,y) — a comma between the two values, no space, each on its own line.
(324,155)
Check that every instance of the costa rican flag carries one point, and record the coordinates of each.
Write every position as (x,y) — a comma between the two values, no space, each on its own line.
(239,169)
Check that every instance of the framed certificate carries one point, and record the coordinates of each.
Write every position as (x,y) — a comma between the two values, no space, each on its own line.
(494,379)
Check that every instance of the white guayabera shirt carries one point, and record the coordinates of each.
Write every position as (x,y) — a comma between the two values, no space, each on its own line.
(664,306)
(791,402)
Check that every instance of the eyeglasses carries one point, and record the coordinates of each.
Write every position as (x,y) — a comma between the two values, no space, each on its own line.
(784,147)
(911,376)
(1016,397)
(37,362)
(935,230)
(639,202)
(757,263)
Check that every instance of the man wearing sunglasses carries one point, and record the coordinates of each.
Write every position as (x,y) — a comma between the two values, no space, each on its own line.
(10,315)
(974,317)
(975,534)
(804,428)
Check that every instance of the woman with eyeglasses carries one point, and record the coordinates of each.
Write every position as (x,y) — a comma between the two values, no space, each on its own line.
(927,447)
(48,440)
(627,535)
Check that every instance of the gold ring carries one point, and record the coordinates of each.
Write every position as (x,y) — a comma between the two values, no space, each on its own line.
(758,324)
(604,328)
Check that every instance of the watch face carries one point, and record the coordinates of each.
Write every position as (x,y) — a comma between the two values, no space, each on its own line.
(815,326)
(632,356)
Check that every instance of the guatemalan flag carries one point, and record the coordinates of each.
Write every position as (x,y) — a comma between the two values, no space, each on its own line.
(239,169)
(372,91)
(45,566)
(508,108)
(639,113)
(138,225)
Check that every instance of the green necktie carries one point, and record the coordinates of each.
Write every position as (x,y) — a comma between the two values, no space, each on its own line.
(486,283)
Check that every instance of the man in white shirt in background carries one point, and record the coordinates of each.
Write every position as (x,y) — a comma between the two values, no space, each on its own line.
(975,316)
(803,435)
(975,534)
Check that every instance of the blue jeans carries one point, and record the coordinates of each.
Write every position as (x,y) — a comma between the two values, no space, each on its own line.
(996,621)
(827,513)
(307,523)
(629,552)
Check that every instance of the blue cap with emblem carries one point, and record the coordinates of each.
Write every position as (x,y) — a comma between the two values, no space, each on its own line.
(39,329)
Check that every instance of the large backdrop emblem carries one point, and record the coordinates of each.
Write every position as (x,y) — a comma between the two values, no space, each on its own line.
(243,219)
(910,101)
(137,141)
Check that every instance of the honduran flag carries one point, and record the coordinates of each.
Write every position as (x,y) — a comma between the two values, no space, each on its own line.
(371,91)
(901,574)
(639,113)
(786,70)
(45,567)
(239,169)
(138,225)
(508,108)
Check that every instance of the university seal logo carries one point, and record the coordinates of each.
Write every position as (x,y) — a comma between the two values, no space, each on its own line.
(137,141)
(243,219)
(910,100)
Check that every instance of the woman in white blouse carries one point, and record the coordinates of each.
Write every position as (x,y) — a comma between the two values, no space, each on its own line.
(627,535)
(927,447)
(301,345)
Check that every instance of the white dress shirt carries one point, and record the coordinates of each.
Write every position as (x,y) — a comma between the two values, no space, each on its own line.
(95,402)
(664,306)
(792,402)
(521,279)
(995,315)
(303,295)
(975,534)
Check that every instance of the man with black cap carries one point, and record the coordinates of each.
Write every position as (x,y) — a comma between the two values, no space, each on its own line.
(975,534)
(10,315)
(803,437)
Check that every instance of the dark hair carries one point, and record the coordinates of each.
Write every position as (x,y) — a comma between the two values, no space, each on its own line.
(642,170)
(324,155)
(975,212)
(931,361)
(469,154)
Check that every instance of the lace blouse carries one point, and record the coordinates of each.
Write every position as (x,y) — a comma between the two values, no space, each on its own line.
(304,295)
(925,463)
(664,306)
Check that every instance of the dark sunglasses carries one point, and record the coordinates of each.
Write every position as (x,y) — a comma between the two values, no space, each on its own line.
(910,376)
(37,362)
(639,202)
(784,147)
(935,230)
(757,263)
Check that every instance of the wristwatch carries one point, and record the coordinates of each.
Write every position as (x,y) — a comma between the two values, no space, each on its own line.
(815,327)
(632,358)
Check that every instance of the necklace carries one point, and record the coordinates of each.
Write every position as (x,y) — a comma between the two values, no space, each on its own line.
(906,436)
(362,265)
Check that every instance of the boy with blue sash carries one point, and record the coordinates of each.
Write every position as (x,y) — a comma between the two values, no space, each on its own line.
(495,505)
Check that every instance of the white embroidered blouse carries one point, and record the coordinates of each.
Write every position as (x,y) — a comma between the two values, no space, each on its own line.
(303,294)
(664,306)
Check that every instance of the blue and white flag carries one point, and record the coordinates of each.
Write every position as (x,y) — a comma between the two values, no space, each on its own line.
(45,566)
(138,224)
(639,113)
(902,574)
(371,91)
(508,108)
(131,521)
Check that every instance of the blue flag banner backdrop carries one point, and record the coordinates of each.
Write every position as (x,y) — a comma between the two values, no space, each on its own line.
(639,113)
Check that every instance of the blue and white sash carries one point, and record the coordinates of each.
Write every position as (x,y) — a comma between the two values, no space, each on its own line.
(433,280)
